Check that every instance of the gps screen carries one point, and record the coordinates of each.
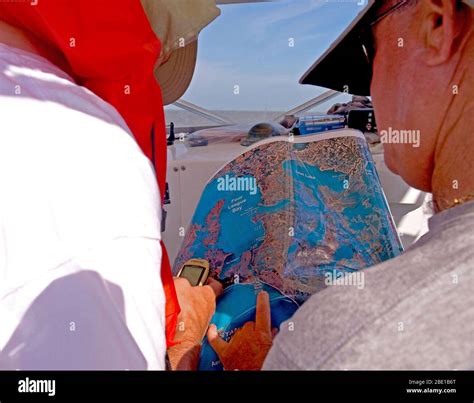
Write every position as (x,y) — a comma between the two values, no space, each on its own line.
(192,273)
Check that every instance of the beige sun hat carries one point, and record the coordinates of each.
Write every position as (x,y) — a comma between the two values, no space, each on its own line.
(178,23)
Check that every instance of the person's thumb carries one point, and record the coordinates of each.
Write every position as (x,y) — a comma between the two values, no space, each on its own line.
(216,341)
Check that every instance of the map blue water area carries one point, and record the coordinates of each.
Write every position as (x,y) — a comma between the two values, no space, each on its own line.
(243,236)
(241,231)
(309,201)
(238,209)
(230,316)
(344,252)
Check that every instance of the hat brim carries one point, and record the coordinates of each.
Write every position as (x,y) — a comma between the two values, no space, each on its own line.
(343,67)
(176,74)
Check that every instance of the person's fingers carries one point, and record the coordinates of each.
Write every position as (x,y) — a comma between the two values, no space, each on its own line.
(235,338)
(263,320)
(248,326)
(216,286)
(216,341)
(181,282)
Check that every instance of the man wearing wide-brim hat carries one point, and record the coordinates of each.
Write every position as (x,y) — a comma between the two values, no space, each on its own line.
(82,177)
(415,58)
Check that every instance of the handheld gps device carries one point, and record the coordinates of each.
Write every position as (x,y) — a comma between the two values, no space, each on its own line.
(196,271)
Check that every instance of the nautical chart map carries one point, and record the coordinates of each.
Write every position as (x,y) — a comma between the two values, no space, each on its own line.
(282,215)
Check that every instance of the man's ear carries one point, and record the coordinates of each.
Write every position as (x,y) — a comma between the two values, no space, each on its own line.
(438,29)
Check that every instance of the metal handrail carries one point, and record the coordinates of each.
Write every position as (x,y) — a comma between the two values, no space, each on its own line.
(198,110)
(310,104)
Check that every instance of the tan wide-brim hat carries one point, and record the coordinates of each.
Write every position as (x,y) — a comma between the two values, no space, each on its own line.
(178,23)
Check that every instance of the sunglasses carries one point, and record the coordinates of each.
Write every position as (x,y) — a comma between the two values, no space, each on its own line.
(366,34)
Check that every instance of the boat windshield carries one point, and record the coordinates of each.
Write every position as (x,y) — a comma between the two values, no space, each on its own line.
(251,58)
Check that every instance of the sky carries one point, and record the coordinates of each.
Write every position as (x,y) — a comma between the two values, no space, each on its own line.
(249,46)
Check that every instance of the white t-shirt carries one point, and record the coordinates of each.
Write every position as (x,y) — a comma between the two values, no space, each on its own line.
(80,254)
